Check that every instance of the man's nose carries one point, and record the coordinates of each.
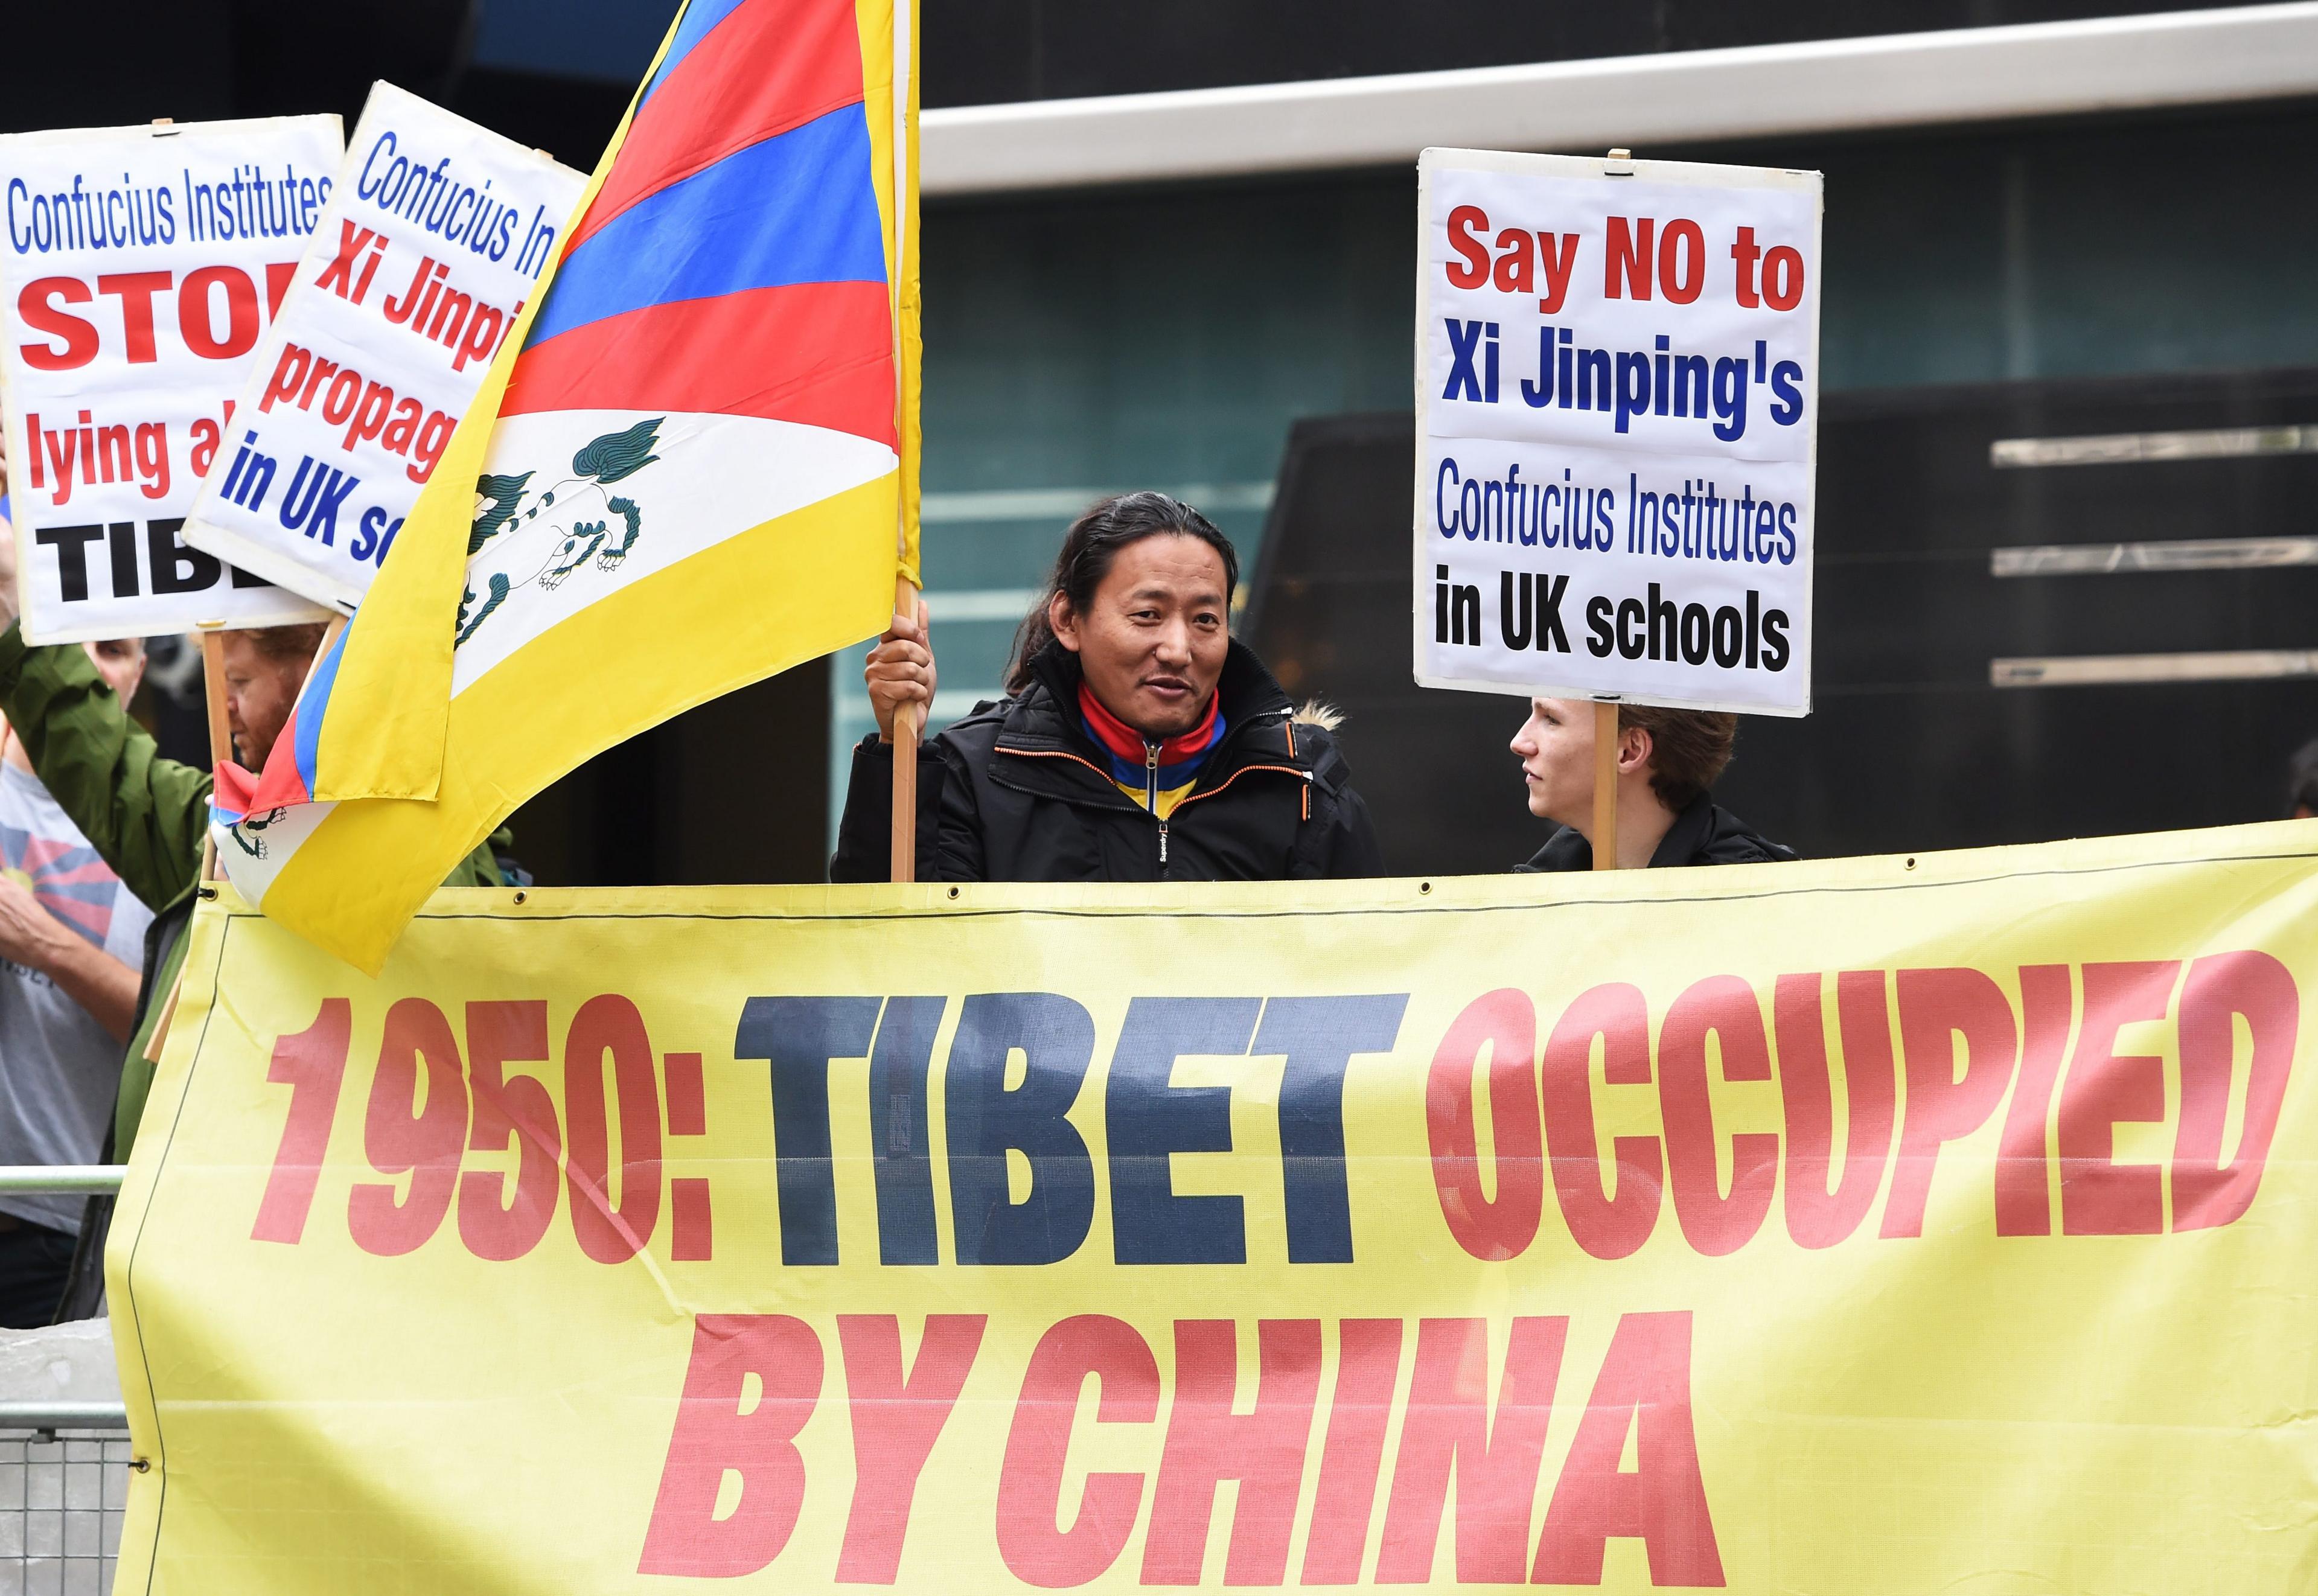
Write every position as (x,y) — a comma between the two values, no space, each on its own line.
(1176,644)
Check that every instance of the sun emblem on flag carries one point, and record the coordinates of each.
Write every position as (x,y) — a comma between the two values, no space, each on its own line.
(70,881)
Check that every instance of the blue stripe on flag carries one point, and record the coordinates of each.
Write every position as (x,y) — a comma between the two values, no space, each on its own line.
(700,18)
(797,208)
(98,892)
(307,737)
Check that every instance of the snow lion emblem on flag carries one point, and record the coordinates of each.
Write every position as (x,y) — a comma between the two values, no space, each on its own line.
(569,538)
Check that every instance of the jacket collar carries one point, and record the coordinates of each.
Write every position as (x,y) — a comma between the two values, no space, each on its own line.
(1686,837)
(1246,691)
(1044,720)
(1684,842)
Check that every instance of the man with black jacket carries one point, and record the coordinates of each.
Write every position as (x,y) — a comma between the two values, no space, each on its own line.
(1137,742)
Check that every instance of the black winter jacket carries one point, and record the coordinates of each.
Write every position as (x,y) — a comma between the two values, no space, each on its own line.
(1703,834)
(1017,791)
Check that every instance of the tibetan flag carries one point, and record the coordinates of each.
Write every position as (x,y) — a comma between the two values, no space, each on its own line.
(693,465)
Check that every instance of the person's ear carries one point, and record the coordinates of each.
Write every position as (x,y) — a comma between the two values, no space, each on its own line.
(1634,750)
(1063,622)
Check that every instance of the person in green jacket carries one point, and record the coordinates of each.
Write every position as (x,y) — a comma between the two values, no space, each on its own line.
(149,817)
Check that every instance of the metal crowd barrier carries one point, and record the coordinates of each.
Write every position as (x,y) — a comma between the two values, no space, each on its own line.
(61,1500)
(64,1466)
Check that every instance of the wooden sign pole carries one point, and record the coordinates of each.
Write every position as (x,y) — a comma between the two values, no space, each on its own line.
(213,635)
(1605,715)
(330,629)
(1605,786)
(905,760)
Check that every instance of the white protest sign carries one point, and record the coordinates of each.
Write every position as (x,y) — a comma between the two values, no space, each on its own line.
(138,267)
(435,234)
(1617,403)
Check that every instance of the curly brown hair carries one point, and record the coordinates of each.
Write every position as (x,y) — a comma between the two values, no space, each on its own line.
(1689,749)
(282,643)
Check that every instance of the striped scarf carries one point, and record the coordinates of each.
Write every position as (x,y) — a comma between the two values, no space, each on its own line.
(1128,753)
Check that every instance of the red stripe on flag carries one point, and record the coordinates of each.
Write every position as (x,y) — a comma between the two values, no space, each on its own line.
(821,353)
(772,66)
(278,785)
(88,917)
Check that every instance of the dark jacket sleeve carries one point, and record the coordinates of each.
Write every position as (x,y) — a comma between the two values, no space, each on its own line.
(1341,841)
(146,816)
(1564,850)
(865,832)
(958,853)
(1352,848)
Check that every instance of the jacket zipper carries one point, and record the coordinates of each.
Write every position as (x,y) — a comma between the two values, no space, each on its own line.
(1151,782)
(1151,797)
(1055,753)
(1303,776)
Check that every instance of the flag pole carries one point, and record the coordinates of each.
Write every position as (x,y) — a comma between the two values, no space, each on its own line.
(908,721)
(905,759)
(1605,786)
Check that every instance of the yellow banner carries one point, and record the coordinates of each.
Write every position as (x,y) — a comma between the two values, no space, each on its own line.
(1928,1225)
